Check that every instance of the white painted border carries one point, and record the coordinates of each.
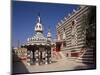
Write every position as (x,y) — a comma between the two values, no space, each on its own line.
(5,23)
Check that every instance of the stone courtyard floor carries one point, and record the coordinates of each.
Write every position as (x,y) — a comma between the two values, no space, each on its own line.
(64,64)
(60,65)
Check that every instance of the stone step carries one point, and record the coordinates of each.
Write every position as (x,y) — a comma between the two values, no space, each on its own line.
(89,52)
(80,61)
(72,58)
(88,55)
(85,58)
(62,55)
(90,49)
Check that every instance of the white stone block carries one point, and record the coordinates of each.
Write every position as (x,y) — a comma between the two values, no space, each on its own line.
(37,64)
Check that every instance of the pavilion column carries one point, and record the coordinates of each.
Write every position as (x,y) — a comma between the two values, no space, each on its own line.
(43,56)
(37,57)
(40,57)
(46,57)
(28,57)
(33,52)
(49,54)
(31,57)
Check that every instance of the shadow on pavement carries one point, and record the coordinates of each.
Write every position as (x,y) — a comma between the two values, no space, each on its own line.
(54,61)
(87,67)
(18,67)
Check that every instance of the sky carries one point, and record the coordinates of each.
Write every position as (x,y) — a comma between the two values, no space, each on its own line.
(24,16)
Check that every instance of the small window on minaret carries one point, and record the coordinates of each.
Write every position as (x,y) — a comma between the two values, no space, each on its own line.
(36,26)
(39,26)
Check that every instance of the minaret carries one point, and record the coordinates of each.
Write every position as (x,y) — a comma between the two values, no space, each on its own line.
(38,27)
(49,35)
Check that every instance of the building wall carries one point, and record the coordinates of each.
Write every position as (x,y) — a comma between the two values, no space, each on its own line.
(21,53)
(80,16)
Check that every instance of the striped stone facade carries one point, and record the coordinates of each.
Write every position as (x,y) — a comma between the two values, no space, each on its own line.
(80,31)
(80,19)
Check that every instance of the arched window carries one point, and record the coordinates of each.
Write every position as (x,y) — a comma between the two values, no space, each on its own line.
(73,23)
(64,29)
(74,33)
(64,44)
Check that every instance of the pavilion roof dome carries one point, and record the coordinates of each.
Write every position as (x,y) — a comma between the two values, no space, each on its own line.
(38,38)
(38,27)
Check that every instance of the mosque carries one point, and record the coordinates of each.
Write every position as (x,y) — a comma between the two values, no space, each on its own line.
(39,46)
(75,39)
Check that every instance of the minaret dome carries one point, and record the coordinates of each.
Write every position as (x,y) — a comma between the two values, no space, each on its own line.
(38,27)
(49,34)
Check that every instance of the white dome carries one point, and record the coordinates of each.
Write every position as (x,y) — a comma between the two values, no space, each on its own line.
(49,34)
(38,27)
(28,39)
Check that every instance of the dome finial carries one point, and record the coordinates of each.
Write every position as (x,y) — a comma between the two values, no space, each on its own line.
(49,29)
(39,19)
(38,27)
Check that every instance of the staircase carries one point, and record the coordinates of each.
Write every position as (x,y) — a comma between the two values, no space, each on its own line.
(58,56)
(88,57)
(62,55)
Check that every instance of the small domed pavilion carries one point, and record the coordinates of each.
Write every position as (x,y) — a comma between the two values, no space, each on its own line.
(38,46)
